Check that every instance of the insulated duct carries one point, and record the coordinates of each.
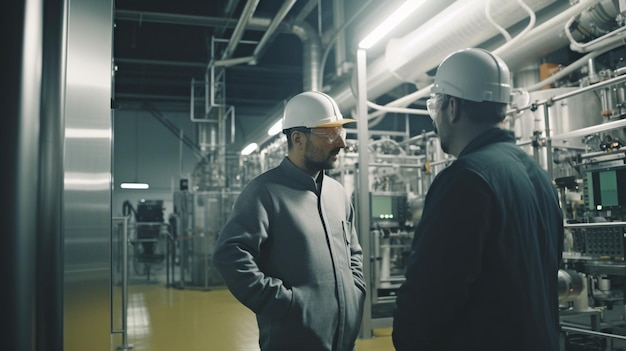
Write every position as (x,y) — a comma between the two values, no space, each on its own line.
(460,25)
(538,42)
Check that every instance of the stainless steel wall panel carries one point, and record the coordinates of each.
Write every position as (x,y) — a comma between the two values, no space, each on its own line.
(49,256)
(87,176)
(19,136)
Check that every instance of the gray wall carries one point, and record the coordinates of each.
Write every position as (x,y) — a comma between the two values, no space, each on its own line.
(146,151)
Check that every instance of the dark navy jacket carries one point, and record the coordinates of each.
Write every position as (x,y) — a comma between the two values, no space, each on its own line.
(482,272)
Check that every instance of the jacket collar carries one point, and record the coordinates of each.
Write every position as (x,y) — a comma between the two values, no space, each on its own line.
(299,176)
(490,136)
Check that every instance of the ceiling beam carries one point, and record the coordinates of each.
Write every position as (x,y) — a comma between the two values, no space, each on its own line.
(260,24)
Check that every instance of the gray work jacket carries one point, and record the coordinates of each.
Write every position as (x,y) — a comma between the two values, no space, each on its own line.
(292,256)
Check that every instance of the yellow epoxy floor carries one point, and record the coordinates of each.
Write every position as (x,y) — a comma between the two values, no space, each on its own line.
(165,319)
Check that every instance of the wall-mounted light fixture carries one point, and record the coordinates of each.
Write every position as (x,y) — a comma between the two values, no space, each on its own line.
(136,186)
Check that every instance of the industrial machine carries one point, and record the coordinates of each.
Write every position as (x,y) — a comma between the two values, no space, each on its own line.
(148,235)
(595,247)
(391,237)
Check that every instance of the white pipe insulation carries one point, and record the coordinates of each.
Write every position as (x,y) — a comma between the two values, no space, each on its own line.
(539,41)
(462,24)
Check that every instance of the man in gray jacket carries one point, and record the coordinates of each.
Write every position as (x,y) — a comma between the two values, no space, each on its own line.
(289,250)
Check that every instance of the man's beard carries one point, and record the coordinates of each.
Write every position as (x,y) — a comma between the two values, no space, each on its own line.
(442,144)
(318,165)
(314,160)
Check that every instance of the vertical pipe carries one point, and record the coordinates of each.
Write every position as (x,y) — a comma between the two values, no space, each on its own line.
(192,98)
(363,195)
(340,42)
(311,55)
(50,197)
(550,163)
(19,142)
(125,345)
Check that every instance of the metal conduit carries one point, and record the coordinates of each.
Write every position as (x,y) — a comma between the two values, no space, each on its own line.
(246,15)
(271,30)
(188,20)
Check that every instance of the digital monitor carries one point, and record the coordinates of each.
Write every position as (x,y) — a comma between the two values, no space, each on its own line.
(388,208)
(606,189)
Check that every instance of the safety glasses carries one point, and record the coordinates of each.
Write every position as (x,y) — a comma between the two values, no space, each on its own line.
(431,105)
(330,134)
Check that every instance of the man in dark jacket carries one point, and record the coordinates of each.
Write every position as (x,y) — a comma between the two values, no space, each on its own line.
(482,272)
(289,250)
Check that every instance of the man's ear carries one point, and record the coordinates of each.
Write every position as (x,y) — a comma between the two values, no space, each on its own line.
(454,112)
(297,138)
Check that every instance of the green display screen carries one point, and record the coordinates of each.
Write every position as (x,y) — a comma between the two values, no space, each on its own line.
(606,189)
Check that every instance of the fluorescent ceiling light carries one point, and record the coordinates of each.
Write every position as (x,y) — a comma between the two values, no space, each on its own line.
(276,128)
(390,23)
(249,149)
(134,186)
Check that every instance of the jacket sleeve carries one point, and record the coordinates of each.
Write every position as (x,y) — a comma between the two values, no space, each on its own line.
(237,252)
(444,261)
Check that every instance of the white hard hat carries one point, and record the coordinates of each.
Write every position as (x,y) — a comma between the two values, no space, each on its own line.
(313,109)
(474,74)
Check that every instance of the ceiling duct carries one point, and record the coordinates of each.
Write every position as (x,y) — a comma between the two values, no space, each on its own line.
(462,24)
(540,41)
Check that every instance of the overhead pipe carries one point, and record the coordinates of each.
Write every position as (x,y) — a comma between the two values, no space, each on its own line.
(604,16)
(187,20)
(311,61)
(422,53)
(305,11)
(246,15)
(562,73)
(311,55)
(340,41)
(233,61)
(460,25)
(271,30)
(543,39)
(229,8)
(309,37)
